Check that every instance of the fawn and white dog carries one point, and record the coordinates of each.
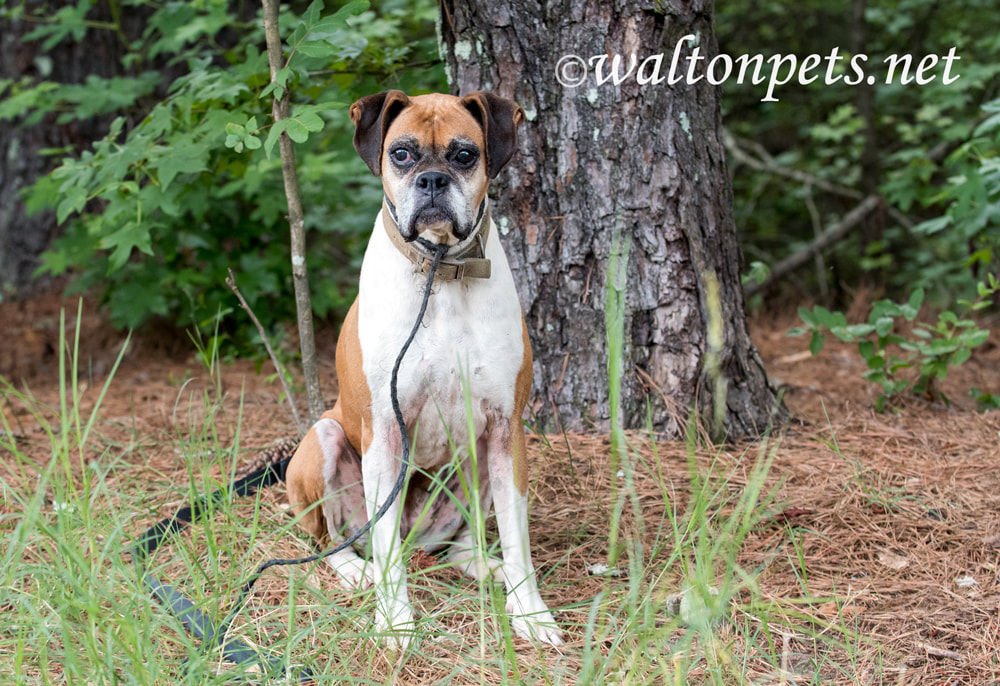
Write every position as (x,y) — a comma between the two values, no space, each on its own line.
(436,155)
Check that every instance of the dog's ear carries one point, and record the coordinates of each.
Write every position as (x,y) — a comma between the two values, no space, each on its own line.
(499,118)
(372,115)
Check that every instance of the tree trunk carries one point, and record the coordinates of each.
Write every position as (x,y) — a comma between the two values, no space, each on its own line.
(646,158)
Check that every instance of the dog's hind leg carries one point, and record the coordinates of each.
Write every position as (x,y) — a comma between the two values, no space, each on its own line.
(325,490)
(344,503)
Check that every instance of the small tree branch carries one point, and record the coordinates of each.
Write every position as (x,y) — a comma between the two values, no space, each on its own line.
(767,164)
(830,236)
(300,280)
(231,282)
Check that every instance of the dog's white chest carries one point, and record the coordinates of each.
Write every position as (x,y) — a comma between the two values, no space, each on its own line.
(463,361)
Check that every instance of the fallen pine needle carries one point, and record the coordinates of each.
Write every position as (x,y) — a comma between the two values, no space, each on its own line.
(941,652)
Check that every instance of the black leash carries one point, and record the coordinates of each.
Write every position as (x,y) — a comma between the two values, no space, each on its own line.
(195,621)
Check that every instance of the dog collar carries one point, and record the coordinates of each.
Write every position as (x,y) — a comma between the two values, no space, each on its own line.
(470,263)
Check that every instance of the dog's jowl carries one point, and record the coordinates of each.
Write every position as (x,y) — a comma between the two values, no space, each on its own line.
(436,155)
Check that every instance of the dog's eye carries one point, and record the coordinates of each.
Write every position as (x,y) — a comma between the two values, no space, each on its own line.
(401,155)
(465,157)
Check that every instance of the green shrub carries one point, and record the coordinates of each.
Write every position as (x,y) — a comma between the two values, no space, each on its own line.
(931,151)
(156,212)
(933,348)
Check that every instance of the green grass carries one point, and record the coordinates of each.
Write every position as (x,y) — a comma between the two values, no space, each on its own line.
(684,611)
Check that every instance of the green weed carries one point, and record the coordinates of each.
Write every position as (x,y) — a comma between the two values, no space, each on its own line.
(683,610)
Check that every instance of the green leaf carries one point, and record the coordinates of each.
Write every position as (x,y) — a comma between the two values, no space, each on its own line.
(298,127)
(278,85)
(884,326)
(867,349)
(297,131)
(327,106)
(308,118)
(183,158)
(949,317)
(961,356)
(339,19)
(312,13)
(807,316)
(122,241)
(987,126)
(76,198)
(876,375)
(895,364)
(273,135)
(883,308)
(860,330)
(816,342)
(314,49)
(829,319)
(842,333)
(932,226)
(941,346)
(912,307)
(974,339)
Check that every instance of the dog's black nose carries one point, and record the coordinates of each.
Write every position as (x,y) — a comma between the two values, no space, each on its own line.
(432,183)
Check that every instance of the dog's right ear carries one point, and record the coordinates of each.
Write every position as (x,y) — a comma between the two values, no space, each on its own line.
(372,115)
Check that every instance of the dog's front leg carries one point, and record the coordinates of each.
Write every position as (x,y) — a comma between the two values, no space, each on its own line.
(393,614)
(530,617)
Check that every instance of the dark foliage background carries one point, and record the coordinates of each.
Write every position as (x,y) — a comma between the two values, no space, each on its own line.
(182,186)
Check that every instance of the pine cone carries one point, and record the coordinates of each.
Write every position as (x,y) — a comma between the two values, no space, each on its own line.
(278,451)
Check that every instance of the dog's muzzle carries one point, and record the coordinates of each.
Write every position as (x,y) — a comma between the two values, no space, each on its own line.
(469,263)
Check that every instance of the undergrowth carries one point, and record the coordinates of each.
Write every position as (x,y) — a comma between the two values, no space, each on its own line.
(674,606)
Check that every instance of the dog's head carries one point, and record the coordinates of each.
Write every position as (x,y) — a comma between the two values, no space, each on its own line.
(436,155)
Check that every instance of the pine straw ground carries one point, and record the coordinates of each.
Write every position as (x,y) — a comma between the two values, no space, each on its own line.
(884,513)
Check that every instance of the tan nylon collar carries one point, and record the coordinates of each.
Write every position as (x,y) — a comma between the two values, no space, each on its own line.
(470,263)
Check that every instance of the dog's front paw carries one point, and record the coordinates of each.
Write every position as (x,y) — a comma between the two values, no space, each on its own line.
(533,621)
(353,573)
(538,628)
(398,632)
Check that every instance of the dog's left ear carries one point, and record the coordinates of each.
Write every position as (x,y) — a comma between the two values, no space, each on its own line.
(499,118)
(372,115)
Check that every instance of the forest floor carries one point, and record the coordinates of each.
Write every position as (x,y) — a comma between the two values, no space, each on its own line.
(891,521)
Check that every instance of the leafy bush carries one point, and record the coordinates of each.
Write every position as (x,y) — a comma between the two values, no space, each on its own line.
(933,348)
(157,211)
(933,146)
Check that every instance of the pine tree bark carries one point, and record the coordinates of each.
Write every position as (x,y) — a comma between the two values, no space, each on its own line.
(647,158)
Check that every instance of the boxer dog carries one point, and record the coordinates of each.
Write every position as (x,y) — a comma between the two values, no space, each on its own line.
(463,384)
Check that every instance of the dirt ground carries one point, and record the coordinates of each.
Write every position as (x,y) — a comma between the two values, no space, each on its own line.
(897,514)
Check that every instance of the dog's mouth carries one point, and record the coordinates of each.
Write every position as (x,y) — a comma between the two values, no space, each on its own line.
(434,225)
